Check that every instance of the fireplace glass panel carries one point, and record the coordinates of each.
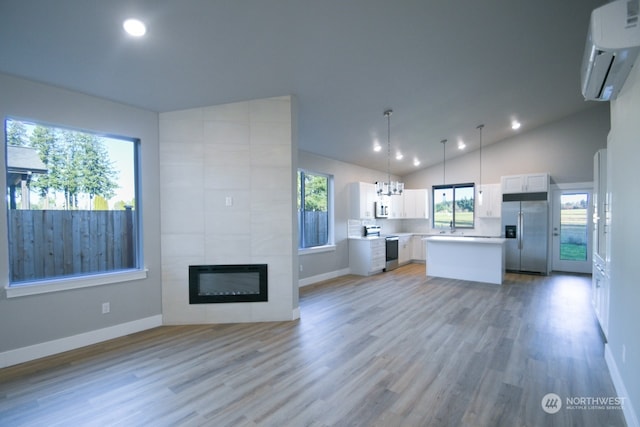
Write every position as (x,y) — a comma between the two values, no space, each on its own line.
(227,283)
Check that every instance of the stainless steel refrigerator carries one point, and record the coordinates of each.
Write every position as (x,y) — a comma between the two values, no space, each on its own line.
(525,224)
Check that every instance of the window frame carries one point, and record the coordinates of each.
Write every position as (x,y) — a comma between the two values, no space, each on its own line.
(453,187)
(82,279)
(330,245)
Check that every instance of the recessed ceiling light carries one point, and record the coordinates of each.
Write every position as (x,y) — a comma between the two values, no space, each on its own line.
(399,156)
(461,145)
(134,27)
(416,162)
(377,147)
(515,125)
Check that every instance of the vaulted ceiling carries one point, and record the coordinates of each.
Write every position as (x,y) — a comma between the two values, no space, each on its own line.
(442,66)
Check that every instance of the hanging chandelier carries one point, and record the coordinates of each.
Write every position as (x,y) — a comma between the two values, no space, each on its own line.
(389,188)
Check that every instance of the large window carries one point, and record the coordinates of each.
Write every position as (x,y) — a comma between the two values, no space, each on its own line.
(453,206)
(314,209)
(71,199)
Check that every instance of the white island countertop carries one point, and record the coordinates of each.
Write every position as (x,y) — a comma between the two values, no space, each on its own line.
(479,259)
(466,239)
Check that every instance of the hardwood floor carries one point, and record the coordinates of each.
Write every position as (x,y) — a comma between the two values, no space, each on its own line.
(395,349)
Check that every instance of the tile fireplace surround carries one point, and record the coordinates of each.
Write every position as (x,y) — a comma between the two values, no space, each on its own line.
(228,192)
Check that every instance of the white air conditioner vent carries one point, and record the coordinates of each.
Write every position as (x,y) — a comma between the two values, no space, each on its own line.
(613,44)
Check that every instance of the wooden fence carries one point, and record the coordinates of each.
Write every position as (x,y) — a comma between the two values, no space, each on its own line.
(51,243)
(315,228)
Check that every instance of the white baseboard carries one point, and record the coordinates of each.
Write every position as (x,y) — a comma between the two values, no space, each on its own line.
(629,412)
(36,351)
(321,277)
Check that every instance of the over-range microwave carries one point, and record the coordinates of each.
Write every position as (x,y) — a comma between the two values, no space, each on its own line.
(381,210)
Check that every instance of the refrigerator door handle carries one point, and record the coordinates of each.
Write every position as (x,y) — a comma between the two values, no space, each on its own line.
(520,230)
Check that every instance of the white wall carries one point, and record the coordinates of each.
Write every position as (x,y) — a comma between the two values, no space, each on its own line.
(246,151)
(33,326)
(623,159)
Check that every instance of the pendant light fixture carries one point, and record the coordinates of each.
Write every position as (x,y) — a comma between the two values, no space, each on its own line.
(444,160)
(479,127)
(444,165)
(389,188)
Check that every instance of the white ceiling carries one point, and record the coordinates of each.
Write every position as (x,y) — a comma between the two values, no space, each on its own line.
(443,66)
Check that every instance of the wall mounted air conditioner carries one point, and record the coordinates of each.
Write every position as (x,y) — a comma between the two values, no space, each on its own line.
(613,43)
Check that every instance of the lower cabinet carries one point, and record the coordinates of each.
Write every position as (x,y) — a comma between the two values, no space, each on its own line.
(600,293)
(367,256)
(405,250)
(418,248)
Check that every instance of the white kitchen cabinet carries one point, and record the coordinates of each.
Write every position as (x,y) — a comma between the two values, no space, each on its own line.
(405,250)
(491,206)
(411,204)
(528,183)
(363,198)
(599,203)
(418,248)
(416,203)
(600,292)
(601,216)
(367,256)
(396,206)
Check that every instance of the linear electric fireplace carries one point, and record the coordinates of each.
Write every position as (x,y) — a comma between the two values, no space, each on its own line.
(227,283)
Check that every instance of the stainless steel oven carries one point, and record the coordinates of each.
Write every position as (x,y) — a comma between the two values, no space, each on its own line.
(392,252)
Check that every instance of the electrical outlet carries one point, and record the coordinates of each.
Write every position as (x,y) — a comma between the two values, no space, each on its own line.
(624,353)
(106,307)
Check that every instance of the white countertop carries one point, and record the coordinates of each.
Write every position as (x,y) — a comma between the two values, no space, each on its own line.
(366,238)
(465,239)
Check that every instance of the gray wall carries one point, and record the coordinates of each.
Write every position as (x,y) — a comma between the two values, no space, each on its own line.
(564,148)
(343,174)
(30,320)
(623,156)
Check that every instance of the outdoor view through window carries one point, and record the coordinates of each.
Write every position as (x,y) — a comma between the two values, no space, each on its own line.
(71,199)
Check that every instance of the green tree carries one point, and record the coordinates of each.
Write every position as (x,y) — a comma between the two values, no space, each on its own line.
(16,133)
(78,163)
(315,195)
(45,141)
(97,176)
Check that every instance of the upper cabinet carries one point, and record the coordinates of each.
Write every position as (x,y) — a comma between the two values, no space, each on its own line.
(411,204)
(363,198)
(529,183)
(416,203)
(600,207)
(491,206)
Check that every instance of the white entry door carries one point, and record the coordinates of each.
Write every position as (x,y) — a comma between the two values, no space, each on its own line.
(572,229)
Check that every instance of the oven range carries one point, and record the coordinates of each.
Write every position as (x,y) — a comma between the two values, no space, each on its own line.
(391,245)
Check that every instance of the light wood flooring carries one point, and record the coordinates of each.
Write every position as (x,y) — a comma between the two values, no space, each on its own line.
(395,349)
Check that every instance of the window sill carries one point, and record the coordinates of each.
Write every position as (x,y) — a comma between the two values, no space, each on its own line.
(317,250)
(56,285)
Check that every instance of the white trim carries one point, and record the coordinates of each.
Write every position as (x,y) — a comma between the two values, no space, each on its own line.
(627,408)
(296,313)
(36,351)
(56,285)
(572,185)
(321,277)
(316,249)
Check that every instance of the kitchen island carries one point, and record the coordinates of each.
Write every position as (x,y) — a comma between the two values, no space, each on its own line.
(479,259)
